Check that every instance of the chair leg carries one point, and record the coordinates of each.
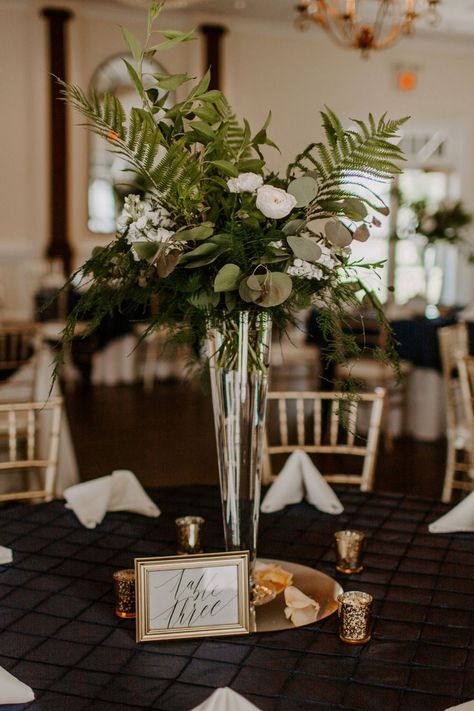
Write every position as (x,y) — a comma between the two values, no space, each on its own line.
(450,468)
(386,425)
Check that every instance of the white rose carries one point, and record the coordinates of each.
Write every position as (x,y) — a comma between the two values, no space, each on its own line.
(245,183)
(274,202)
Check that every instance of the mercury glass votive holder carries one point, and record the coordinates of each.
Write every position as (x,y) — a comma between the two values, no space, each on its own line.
(349,551)
(124,585)
(189,535)
(355,614)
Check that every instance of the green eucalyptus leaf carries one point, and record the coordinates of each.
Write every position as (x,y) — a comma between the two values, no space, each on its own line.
(337,233)
(203,250)
(146,250)
(195,234)
(226,167)
(255,281)
(227,278)
(316,226)
(305,248)
(292,227)
(246,294)
(222,239)
(354,209)
(278,288)
(304,189)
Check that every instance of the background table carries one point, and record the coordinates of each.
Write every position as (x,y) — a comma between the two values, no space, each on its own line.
(60,636)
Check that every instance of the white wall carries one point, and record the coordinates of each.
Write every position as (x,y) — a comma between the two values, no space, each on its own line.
(266,66)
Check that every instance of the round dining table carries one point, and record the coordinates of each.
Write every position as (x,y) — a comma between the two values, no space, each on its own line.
(61,637)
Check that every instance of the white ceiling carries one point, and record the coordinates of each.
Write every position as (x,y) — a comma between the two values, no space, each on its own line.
(457,15)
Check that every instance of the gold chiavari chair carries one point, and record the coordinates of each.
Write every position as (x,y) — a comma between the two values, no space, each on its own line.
(29,444)
(19,346)
(371,337)
(300,423)
(454,347)
(463,476)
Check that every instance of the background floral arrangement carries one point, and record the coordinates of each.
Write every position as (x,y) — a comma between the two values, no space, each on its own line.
(445,224)
(217,232)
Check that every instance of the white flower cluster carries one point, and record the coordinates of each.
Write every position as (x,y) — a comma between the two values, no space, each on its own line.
(304,270)
(272,202)
(307,270)
(146,224)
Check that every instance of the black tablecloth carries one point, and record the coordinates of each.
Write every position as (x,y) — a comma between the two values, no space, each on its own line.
(60,635)
(417,338)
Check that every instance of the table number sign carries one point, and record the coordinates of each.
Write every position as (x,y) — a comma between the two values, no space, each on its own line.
(195,596)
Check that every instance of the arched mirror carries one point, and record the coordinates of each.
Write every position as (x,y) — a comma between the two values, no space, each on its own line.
(110,178)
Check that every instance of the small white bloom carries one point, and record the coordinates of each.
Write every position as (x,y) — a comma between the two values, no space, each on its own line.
(304,270)
(142,222)
(300,608)
(132,210)
(160,235)
(326,257)
(245,183)
(274,202)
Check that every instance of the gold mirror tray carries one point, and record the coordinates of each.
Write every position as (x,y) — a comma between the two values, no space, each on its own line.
(319,586)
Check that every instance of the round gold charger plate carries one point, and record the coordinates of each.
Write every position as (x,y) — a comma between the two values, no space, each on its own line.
(319,586)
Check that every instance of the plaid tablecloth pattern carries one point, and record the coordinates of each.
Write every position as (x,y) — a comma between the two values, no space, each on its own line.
(59,633)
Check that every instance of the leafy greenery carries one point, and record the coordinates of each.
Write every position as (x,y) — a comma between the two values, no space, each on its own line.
(217,233)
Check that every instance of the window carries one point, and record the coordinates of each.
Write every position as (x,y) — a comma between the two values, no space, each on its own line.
(110,179)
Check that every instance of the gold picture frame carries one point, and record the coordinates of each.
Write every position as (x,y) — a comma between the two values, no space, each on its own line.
(179,597)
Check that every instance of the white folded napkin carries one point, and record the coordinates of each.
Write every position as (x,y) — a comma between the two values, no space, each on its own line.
(12,690)
(299,477)
(225,699)
(467,706)
(460,518)
(121,491)
(6,555)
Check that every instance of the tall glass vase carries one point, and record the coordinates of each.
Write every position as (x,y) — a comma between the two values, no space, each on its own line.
(238,349)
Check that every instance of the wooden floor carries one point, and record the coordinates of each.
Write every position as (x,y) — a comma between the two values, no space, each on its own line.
(167,438)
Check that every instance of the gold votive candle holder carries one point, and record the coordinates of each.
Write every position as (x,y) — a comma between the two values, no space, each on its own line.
(124,586)
(355,614)
(189,535)
(349,546)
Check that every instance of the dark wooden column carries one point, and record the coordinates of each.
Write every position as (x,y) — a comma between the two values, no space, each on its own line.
(213,35)
(58,245)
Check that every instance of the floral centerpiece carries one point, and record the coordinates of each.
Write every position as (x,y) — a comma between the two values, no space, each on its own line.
(446,223)
(226,246)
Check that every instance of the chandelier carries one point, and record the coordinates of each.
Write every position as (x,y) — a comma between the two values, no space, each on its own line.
(366,24)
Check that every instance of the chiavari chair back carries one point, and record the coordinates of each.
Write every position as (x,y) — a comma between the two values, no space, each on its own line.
(29,446)
(303,424)
(371,370)
(19,347)
(454,348)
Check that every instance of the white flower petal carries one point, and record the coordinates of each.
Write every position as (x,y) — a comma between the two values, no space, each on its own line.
(274,202)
